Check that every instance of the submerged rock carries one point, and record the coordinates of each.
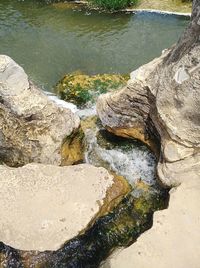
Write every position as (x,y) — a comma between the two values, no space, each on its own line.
(32,127)
(81,89)
(43,206)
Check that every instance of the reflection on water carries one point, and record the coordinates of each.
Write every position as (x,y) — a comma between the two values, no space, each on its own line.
(49,40)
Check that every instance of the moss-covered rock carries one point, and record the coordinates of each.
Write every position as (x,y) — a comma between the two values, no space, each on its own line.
(81,89)
(72,149)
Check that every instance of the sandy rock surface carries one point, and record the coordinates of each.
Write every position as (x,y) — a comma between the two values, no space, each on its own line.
(43,206)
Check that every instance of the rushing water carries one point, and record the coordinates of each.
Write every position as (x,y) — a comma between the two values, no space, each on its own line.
(49,40)
(126,157)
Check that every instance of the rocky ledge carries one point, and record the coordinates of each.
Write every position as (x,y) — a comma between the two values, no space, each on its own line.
(43,206)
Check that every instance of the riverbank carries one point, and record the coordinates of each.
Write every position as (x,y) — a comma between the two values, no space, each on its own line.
(164,5)
(176,7)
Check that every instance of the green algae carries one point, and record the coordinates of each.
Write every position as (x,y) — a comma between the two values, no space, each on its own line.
(81,89)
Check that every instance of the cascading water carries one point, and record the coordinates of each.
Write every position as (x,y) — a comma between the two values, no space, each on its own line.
(128,158)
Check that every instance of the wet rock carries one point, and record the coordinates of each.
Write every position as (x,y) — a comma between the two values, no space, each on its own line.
(73,147)
(32,127)
(81,89)
(43,206)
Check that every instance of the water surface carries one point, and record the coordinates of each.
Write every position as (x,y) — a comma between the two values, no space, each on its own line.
(49,40)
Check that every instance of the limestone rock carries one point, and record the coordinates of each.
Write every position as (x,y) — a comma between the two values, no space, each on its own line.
(173,241)
(162,98)
(32,127)
(43,206)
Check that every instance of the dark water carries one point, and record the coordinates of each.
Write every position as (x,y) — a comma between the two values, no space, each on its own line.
(49,40)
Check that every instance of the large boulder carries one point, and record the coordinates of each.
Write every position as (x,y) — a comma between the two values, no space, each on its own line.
(156,102)
(43,206)
(32,127)
(162,98)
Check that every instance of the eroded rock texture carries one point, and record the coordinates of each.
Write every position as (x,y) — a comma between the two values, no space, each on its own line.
(32,127)
(163,98)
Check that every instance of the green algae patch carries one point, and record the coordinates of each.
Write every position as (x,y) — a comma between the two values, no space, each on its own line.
(90,123)
(81,89)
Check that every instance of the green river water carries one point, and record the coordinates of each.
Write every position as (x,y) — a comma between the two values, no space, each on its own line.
(49,40)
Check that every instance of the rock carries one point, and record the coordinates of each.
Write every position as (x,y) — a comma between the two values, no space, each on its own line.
(43,206)
(81,89)
(173,241)
(162,98)
(33,127)
(73,148)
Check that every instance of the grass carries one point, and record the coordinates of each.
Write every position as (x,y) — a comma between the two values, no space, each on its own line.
(113,4)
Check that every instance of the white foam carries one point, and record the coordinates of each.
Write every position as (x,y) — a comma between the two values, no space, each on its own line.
(134,164)
(86,112)
(60,102)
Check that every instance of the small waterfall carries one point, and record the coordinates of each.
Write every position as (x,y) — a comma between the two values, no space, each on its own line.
(126,157)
